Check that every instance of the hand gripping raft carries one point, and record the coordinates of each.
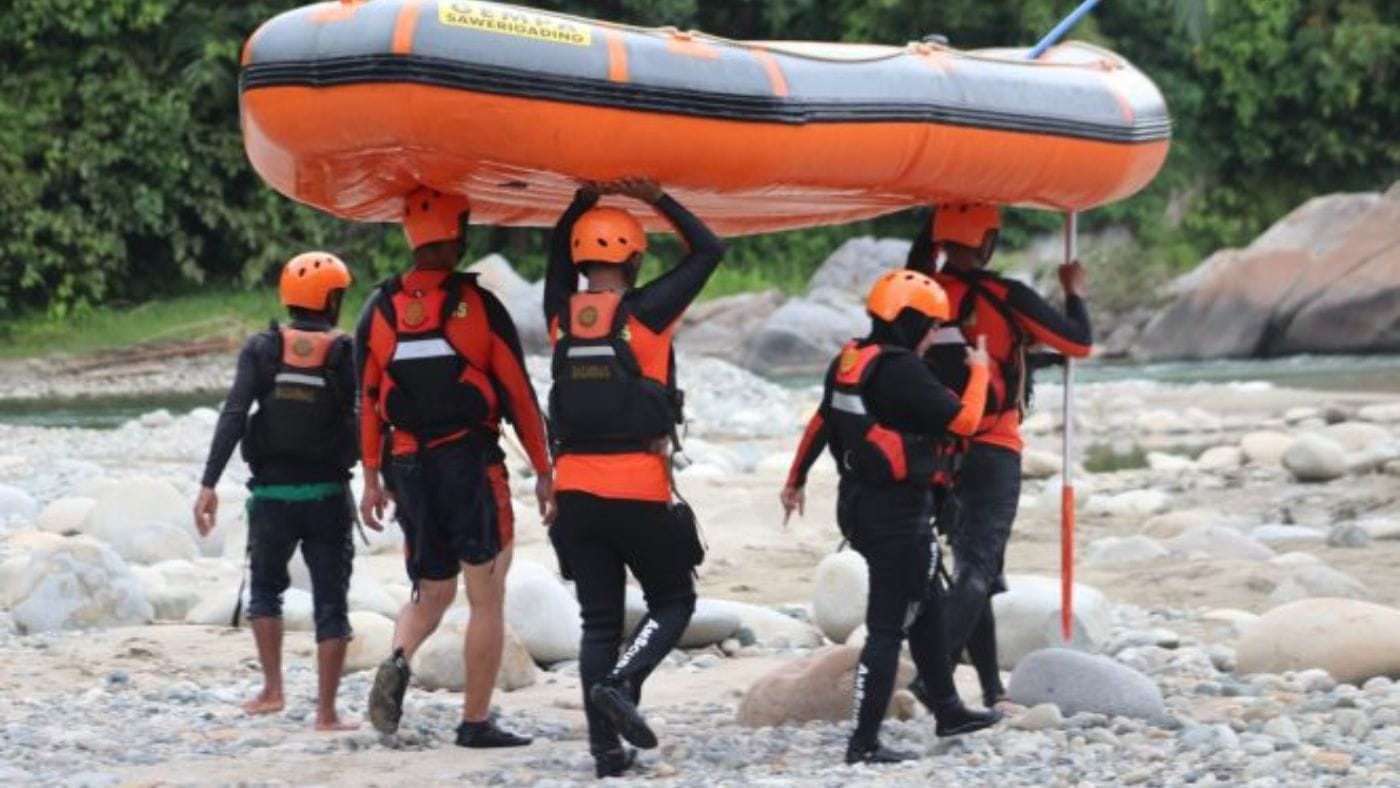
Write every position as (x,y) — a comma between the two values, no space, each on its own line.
(347,106)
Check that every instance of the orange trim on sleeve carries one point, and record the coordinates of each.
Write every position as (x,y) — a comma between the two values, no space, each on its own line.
(974,403)
(799,462)
(405,26)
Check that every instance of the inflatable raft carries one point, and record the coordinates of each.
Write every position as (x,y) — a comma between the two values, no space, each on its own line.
(348,105)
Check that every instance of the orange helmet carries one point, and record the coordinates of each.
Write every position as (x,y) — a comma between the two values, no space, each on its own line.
(897,291)
(607,235)
(966,224)
(309,279)
(430,216)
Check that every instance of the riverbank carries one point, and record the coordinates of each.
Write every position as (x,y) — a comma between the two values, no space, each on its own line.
(1218,531)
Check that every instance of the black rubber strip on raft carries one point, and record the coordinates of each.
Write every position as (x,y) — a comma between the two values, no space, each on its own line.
(380,69)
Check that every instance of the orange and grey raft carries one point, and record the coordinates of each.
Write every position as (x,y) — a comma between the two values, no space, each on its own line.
(348,105)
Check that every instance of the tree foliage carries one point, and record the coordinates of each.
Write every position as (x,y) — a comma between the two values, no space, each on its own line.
(125,177)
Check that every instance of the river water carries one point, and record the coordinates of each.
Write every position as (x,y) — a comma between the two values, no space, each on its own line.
(1326,373)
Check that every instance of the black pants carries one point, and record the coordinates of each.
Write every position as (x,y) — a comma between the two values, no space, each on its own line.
(324,530)
(890,527)
(598,540)
(989,491)
(448,510)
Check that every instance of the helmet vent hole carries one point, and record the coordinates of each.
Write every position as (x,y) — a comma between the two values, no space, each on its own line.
(301,272)
(603,242)
(425,205)
(622,241)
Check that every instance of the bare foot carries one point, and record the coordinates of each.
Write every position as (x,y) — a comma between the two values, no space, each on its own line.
(264,703)
(334,724)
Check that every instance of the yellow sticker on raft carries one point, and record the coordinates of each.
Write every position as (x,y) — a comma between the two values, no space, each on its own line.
(491,18)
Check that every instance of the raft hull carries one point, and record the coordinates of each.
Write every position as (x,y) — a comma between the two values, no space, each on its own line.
(348,106)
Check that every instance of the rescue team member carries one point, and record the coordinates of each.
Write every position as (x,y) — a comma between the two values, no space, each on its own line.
(440,366)
(300,444)
(1012,318)
(614,409)
(889,423)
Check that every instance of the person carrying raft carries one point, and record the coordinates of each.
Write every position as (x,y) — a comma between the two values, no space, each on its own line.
(440,365)
(614,412)
(300,445)
(1011,318)
(890,425)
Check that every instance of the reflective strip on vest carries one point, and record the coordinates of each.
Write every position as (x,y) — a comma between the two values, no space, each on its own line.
(423,348)
(949,336)
(848,403)
(597,351)
(300,380)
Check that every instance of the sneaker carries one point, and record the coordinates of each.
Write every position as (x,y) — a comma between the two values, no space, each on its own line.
(621,712)
(876,753)
(386,696)
(614,763)
(955,719)
(486,736)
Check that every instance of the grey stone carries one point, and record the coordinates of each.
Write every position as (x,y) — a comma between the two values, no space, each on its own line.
(1313,458)
(1039,717)
(1349,535)
(1078,682)
(1218,541)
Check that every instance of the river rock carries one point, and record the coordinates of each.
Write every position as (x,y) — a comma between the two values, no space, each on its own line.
(16,504)
(857,263)
(1220,458)
(1385,413)
(1349,535)
(1169,463)
(1382,530)
(1273,532)
(1134,504)
(770,628)
(1078,683)
(719,326)
(1350,639)
(712,622)
(72,583)
(1355,436)
(842,583)
(368,595)
(1322,280)
(440,663)
(1313,458)
(1118,552)
(817,687)
(1219,542)
(1318,580)
(65,515)
(145,520)
(1265,448)
(215,609)
(372,644)
(521,299)
(542,613)
(1040,464)
(1173,524)
(1028,618)
(171,601)
(802,335)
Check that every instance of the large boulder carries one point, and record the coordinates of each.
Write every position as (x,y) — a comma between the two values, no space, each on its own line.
(522,299)
(817,687)
(723,400)
(440,663)
(711,623)
(857,263)
(1135,504)
(65,515)
(720,326)
(1311,581)
(1352,640)
(842,583)
(770,628)
(16,504)
(72,583)
(372,644)
(145,520)
(1121,552)
(1219,542)
(1325,278)
(173,588)
(1313,458)
(1028,618)
(542,613)
(1265,448)
(803,335)
(1079,683)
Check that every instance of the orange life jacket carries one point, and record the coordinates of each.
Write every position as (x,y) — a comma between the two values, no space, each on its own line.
(868,450)
(435,382)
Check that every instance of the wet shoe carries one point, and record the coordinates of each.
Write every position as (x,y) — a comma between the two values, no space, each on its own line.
(876,753)
(486,736)
(386,696)
(955,719)
(622,713)
(614,763)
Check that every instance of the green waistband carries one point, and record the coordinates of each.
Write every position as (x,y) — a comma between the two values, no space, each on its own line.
(298,492)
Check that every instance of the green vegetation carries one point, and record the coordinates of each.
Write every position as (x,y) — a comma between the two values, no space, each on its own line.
(125,180)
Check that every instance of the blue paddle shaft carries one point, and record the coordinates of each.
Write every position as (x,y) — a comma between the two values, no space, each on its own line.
(1054,36)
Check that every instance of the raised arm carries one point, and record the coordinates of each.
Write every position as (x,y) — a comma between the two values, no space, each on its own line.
(662,302)
(1070,332)
(561,278)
